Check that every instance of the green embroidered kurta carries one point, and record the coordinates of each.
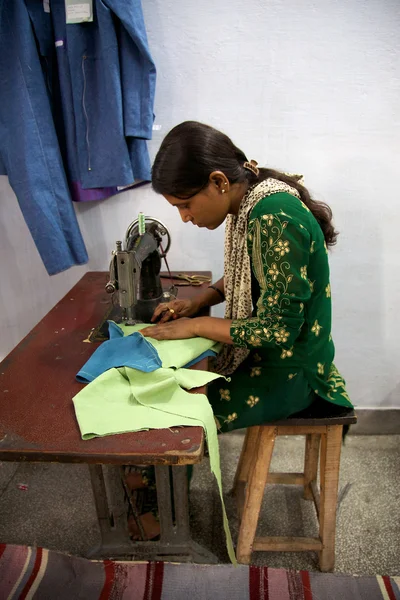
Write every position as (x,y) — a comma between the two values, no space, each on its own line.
(289,333)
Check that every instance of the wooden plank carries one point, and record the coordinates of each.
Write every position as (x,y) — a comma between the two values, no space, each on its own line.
(320,414)
(331,445)
(286,544)
(286,478)
(300,429)
(316,497)
(311,463)
(254,492)
(246,456)
(240,495)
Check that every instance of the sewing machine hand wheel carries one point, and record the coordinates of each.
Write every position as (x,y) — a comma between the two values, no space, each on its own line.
(133,231)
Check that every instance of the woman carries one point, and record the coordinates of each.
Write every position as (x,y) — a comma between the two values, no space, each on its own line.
(278,348)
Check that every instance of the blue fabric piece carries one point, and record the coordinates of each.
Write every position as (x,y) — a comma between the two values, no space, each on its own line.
(115,332)
(199,358)
(130,351)
(125,351)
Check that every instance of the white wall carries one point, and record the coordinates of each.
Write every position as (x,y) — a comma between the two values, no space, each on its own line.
(311,87)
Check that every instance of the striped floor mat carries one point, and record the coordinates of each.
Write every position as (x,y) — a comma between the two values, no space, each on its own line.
(27,573)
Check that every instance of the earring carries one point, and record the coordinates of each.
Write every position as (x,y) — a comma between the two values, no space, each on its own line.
(223,191)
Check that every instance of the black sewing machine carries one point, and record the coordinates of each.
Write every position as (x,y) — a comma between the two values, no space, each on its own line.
(135,271)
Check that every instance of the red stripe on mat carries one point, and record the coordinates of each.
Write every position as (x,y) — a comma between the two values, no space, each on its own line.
(109,572)
(305,579)
(2,548)
(32,577)
(158,581)
(388,586)
(154,581)
(258,583)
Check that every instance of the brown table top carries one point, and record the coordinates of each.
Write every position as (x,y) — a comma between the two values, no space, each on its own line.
(37,383)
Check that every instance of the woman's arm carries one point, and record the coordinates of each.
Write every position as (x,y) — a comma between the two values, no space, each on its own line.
(213,328)
(211,297)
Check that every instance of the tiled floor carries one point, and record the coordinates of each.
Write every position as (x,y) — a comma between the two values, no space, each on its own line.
(57,511)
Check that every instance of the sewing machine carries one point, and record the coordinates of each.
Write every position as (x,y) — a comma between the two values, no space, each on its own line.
(135,270)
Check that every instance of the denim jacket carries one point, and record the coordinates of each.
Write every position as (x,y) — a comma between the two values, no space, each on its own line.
(76,108)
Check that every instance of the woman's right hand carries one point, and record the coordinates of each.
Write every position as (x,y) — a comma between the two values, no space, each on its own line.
(175,309)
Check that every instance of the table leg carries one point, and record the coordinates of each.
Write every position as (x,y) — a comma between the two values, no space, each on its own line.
(173,506)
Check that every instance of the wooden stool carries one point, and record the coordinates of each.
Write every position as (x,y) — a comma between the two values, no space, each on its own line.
(253,474)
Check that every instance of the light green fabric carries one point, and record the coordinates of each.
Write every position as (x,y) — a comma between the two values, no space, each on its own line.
(175,353)
(122,400)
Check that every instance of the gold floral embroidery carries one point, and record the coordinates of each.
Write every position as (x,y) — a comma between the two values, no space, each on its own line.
(330,337)
(283,247)
(269,219)
(321,368)
(255,372)
(252,400)
(267,333)
(301,307)
(303,272)
(312,250)
(256,358)
(255,341)
(311,284)
(268,253)
(287,353)
(273,271)
(291,376)
(336,384)
(281,335)
(316,328)
(225,394)
(231,418)
(328,290)
(273,299)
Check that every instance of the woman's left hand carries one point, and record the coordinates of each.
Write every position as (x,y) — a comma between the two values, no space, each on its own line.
(173,330)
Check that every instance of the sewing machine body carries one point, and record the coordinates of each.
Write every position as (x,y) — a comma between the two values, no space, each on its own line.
(135,270)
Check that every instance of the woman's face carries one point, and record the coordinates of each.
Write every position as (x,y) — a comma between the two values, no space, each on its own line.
(208,208)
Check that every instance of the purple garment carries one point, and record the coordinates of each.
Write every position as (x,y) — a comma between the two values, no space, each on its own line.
(79,194)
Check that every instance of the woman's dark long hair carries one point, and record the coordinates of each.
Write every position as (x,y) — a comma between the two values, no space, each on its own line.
(192,151)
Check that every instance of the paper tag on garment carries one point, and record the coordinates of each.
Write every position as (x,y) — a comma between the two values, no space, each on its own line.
(46,6)
(125,187)
(78,12)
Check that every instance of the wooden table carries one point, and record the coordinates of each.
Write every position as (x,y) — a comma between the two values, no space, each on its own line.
(37,423)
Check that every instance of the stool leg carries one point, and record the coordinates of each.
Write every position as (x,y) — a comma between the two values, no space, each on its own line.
(311,463)
(254,492)
(248,449)
(331,445)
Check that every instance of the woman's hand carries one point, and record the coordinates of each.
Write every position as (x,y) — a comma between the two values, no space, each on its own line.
(176,309)
(174,330)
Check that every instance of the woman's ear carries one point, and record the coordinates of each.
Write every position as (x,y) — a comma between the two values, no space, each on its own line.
(220,181)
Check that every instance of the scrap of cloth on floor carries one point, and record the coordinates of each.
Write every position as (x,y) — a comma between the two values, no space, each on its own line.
(126,400)
(128,348)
